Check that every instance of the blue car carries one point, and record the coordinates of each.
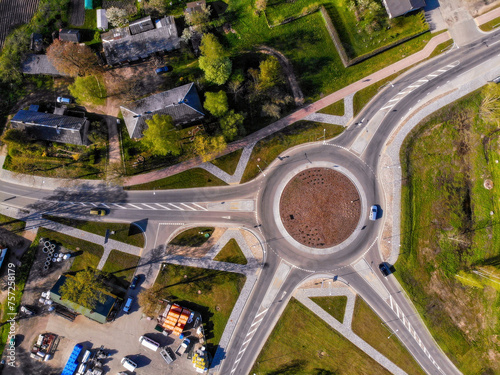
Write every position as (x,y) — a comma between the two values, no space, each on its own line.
(163,69)
(135,280)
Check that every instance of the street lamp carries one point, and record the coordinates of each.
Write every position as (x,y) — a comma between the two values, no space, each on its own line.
(392,333)
(261,171)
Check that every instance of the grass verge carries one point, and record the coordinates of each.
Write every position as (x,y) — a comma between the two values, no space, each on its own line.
(302,343)
(11,224)
(191,178)
(121,266)
(218,293)
(87,254)
(336,109)
(193,237)
(367,325)
(127,233)
(231,253)
(335,306)
(488,26)
(270,147)
(229,162)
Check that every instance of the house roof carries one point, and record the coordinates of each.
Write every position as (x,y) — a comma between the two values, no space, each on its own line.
(120,45)
(51,127)
(195,6)
(69,35)
(102,20)
(100,312)
(39,64)
(182,103)
(141,25)
(397,8)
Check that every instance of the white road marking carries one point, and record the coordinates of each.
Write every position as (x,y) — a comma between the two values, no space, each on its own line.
(182,209)
(166,208)
(105,205)
(256,322)
(197,205)
(246,342)
(93,204)
(259,314)
(148,206)
(249,333)
(133,205)
(117,205)
(185,205)
(171,223)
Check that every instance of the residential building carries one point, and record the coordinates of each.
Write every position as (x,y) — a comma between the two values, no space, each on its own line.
(52,127)
(70,35)
(100,311)
(397,8)
(182,103)
(195,6)
(139,41)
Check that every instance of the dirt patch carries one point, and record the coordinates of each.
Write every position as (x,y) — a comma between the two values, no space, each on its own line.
(199,251)
(320,207)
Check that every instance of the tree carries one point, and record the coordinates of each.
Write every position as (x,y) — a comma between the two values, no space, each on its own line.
(186,36)
(17,137)
(161,136)
(214,60)
(271,110)
(490,104)
(260,6)
(117,16)
(149,298)
(209,147)
(199,18)
(155,7)
(84,289)
(231,124)
(270,73)
(72,58)
(89,89)
(216,103)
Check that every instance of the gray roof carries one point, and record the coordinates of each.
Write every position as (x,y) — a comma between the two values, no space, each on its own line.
(39,64)
(69,35)
(141,25)
(120,46)
(182,103)
(51,127)
(397,8)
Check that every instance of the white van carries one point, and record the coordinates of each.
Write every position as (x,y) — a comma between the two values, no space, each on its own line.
(148,343)
(129,364)
(86,356)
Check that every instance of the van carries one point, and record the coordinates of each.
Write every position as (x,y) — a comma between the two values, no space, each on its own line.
(128,304)
(148,343)
(168,355)
(373,213)
(81,369)
(60,99)
(129,364)
(86,356)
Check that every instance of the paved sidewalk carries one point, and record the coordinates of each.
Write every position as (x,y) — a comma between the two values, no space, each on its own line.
(303,297)
(336,120)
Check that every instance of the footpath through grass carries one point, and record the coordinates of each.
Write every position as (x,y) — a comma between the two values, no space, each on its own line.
(450,231)
(270,147)
(229,162)
(335,306)
(191,178)
(127,233)
(86,254)
(121,266)
(367,325)
(231,253)
(209,292)
(302,343)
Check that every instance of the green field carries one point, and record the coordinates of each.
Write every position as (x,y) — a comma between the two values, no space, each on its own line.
(11,224)
(121,266)
(127,233)
(302,343)
(336,109)
(229,162)
(270,147)
(231,253)
(218,294)
(335,306)
(450,230)
(87,254)
(193,237)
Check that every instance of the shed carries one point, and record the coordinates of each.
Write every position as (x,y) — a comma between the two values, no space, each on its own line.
(70,35)
(102,20)
(397,8)
(141,25)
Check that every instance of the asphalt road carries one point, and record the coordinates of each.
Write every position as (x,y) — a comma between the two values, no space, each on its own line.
(251,205)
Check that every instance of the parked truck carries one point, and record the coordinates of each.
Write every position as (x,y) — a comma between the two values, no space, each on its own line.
(182,347)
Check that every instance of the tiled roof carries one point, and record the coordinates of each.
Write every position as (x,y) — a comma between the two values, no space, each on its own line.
(182,103)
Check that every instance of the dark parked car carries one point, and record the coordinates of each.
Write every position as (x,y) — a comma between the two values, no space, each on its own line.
(134,282)
(384,268)
(162,70)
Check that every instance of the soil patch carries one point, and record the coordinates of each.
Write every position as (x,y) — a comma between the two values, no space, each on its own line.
(320,207)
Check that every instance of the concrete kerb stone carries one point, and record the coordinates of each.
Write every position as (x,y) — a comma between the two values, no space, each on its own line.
(276,208)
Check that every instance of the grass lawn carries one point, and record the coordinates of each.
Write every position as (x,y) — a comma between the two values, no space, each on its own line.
(336,109)
(124,232)
(367,325)
(219,292)
(335,306)
(11,224)
(313,55)
(302,343)
(191,178)
(122,266)
(231,253)
(88,254)
(449,232)
(192,237)
(270,147)
(493,24)
(229,162)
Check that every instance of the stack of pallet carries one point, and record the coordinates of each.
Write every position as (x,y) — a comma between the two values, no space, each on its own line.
(176,319)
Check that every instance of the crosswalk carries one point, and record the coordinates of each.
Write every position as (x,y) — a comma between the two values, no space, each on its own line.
(177,206)
(422,81)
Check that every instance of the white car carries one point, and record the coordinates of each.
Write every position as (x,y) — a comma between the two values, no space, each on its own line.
(373,213)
